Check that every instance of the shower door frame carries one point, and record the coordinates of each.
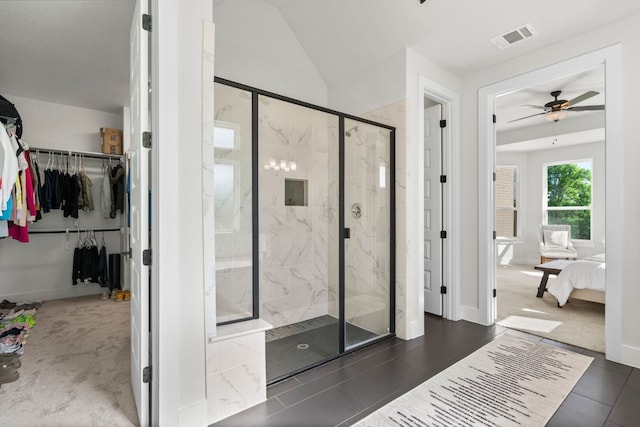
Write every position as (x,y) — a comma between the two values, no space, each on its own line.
(255,93)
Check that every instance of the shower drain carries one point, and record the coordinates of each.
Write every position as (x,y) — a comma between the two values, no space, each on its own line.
(302,346)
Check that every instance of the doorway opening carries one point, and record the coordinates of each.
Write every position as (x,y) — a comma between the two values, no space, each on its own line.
(609,58)
(544,169)
(438,221)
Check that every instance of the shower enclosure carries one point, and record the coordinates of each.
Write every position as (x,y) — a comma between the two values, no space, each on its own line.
(304,203)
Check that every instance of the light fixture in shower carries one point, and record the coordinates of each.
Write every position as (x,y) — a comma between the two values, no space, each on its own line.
(281,164)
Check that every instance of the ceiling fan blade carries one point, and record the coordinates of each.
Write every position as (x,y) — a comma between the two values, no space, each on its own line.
(526,117)
(580,98)
(586,108)
(539,107)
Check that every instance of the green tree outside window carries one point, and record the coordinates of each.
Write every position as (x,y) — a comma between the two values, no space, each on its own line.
(569,197)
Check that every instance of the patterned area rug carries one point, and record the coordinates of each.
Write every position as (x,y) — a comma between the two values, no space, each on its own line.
(509,382)
(75,368)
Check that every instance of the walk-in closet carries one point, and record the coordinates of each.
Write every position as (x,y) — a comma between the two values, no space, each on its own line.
(65,328)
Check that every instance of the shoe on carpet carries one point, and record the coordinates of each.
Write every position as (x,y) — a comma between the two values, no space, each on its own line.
(11,364)
(7,304)
(8,375)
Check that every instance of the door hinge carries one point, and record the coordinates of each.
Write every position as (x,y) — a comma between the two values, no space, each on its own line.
(495,119)
(146,374)
(146,139)
(443,123)
(146,257)
(443,178)
(495,293)
(443,234)
(494,177)
(495,235)
(443,289)
(146,22)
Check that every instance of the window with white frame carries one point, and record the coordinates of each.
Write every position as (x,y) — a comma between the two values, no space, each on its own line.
(568,188)
(506,193)
(226,182)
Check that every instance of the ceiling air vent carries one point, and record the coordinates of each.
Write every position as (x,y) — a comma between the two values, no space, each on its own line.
(513,37)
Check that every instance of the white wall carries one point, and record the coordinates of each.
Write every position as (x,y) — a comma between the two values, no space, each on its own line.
(179,100)
(627,33)
(256,47)
(530,167)
(42,268)
(380,85)
(63,127)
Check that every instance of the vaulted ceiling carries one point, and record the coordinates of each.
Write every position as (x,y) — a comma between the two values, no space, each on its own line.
(75,52)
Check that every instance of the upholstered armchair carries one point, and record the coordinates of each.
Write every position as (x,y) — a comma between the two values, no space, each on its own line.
(555,243)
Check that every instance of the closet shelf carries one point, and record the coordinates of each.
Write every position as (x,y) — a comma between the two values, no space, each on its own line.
(88,154)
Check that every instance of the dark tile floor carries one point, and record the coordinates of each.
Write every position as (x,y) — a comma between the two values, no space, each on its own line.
(345,390)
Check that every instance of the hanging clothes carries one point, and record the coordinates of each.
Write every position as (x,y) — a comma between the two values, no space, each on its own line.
(105,194)
(85,261)
(103,268)
(25,204)
(10,167)
(37,179)
(86,189)
(116,178)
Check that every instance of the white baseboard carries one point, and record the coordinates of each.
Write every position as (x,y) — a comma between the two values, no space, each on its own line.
(630,355)
(471,314)
(51,294)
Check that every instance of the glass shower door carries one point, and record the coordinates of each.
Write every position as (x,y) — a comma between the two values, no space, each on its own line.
(367,232)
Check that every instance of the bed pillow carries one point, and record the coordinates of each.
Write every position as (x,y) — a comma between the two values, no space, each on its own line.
(556,238)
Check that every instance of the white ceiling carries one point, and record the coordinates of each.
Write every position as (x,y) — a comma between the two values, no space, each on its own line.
(75,52)
(69,52)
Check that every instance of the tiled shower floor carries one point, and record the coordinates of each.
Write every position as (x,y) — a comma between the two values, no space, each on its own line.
(297,346)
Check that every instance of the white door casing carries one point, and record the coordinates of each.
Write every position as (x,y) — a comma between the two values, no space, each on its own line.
(139,211)
(611,58)
(432,211)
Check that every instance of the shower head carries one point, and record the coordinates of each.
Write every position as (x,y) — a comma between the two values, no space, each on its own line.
(348,131)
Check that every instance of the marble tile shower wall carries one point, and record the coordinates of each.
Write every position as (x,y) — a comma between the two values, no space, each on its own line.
(298,259)
(367,262)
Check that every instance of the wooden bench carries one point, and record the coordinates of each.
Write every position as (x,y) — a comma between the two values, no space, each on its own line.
(547,268)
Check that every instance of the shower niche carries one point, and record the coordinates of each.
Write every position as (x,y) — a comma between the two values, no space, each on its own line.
(295,192)
(287,186)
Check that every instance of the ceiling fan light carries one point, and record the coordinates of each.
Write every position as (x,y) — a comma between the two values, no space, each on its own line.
(554,116)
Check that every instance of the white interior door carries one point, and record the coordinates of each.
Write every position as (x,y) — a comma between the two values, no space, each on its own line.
(139,211)
(432,211)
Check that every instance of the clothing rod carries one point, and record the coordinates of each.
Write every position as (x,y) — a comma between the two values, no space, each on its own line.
(83,153)
(75,230)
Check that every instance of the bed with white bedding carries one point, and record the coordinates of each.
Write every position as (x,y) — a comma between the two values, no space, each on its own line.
(581,279)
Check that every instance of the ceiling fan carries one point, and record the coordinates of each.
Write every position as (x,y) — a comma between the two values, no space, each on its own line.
(557,109)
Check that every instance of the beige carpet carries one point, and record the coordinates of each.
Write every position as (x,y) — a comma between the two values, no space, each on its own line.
(580,323)
(509,382)
(75,368)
